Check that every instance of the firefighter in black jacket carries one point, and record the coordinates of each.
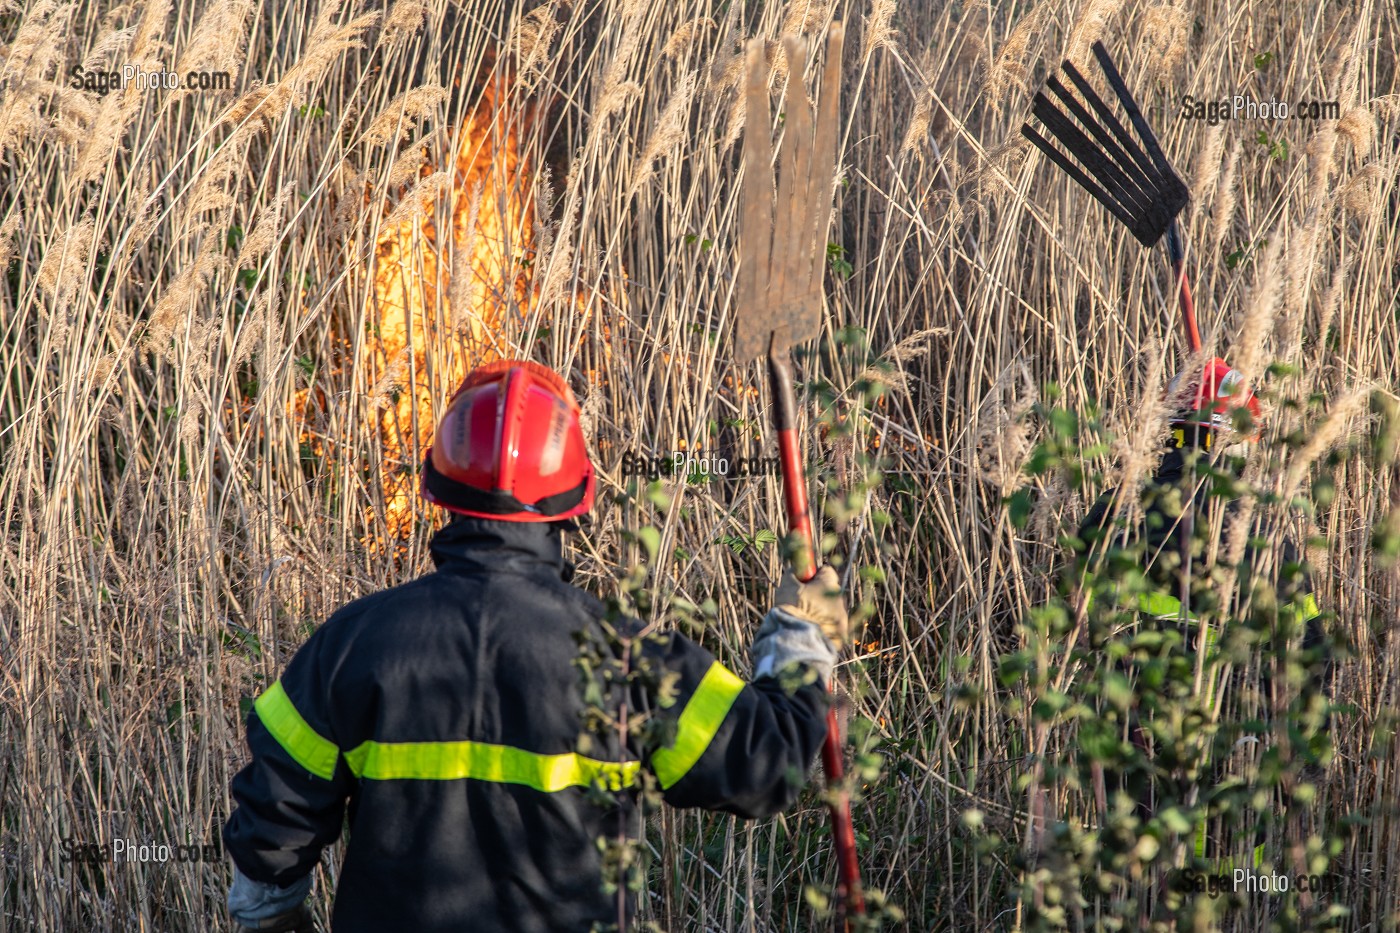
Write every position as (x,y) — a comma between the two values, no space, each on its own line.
(1173,530)
(443,716)
(1177,506)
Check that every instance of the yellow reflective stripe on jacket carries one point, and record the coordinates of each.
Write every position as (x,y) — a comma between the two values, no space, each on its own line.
(698,723)
(1165,606)
(1160,605)
(307,748)
(1309,607)
(450,761)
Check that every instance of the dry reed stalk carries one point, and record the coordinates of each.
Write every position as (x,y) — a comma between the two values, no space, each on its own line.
(1005,80)
(464,289)
(212,192)
(1208,162)
(559,259)
(413,106)
(1138,449)
(804,17)
(1248,350)
(1331,301)
(1358,127)
(1322,436)
(8,229)
(689,35)
(1002,438)
(1321,150)
(1166,30)
(412,164)
(404,20)
(667,134)
(618,91)
(878,33)
(329,40)
(67,263)
(1226,198)
(31,57)
(1299,269)
(1088,28)
(1358,195)
(219,40)
(176,310)
(268,230)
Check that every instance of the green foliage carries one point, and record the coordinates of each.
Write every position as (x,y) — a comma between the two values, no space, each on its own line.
(739,543)
(1277,147)
(614,672)
(846,483)
(1205,729)
(836,259)
(613,667)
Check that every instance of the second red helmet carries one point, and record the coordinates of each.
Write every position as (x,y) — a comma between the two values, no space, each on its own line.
(1208,402)
(510,447)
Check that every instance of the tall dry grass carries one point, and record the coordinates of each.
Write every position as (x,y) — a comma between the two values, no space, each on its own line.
(194,453)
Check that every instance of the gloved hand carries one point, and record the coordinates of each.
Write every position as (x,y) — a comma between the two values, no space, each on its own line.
(818,601)
(808,626)
(267,908)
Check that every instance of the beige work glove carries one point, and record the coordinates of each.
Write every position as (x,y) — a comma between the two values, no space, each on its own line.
(819,601)
(807,626)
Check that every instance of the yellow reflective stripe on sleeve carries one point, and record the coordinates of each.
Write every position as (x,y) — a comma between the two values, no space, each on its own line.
(1160,605)
(1309,607)
(502,764)
(698,723)
(308,748)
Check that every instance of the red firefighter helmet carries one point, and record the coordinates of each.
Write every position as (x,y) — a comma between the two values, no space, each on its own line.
(510,447)
(1207,403)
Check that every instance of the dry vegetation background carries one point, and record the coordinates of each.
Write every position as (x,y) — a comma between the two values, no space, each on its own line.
(230,318)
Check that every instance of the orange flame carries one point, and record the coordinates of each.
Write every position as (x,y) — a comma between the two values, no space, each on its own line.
(439,301)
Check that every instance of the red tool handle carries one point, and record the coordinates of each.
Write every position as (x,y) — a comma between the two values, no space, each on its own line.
(1177,254)
(849,895)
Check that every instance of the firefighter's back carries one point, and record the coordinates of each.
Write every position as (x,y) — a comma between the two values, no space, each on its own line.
(471,810)
(454,704)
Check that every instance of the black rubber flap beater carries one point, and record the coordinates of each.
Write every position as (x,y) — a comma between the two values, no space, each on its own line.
(1131,177)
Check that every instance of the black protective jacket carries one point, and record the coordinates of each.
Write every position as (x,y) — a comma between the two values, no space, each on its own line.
(1162,533)
(443,717)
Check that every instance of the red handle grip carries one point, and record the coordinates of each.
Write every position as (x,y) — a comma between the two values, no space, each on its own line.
(1176,253)
(849,895)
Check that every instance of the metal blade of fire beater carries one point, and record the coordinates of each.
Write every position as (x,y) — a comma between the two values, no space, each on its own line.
(1132,179)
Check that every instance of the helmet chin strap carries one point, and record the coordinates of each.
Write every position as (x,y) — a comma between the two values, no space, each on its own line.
(497,503)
